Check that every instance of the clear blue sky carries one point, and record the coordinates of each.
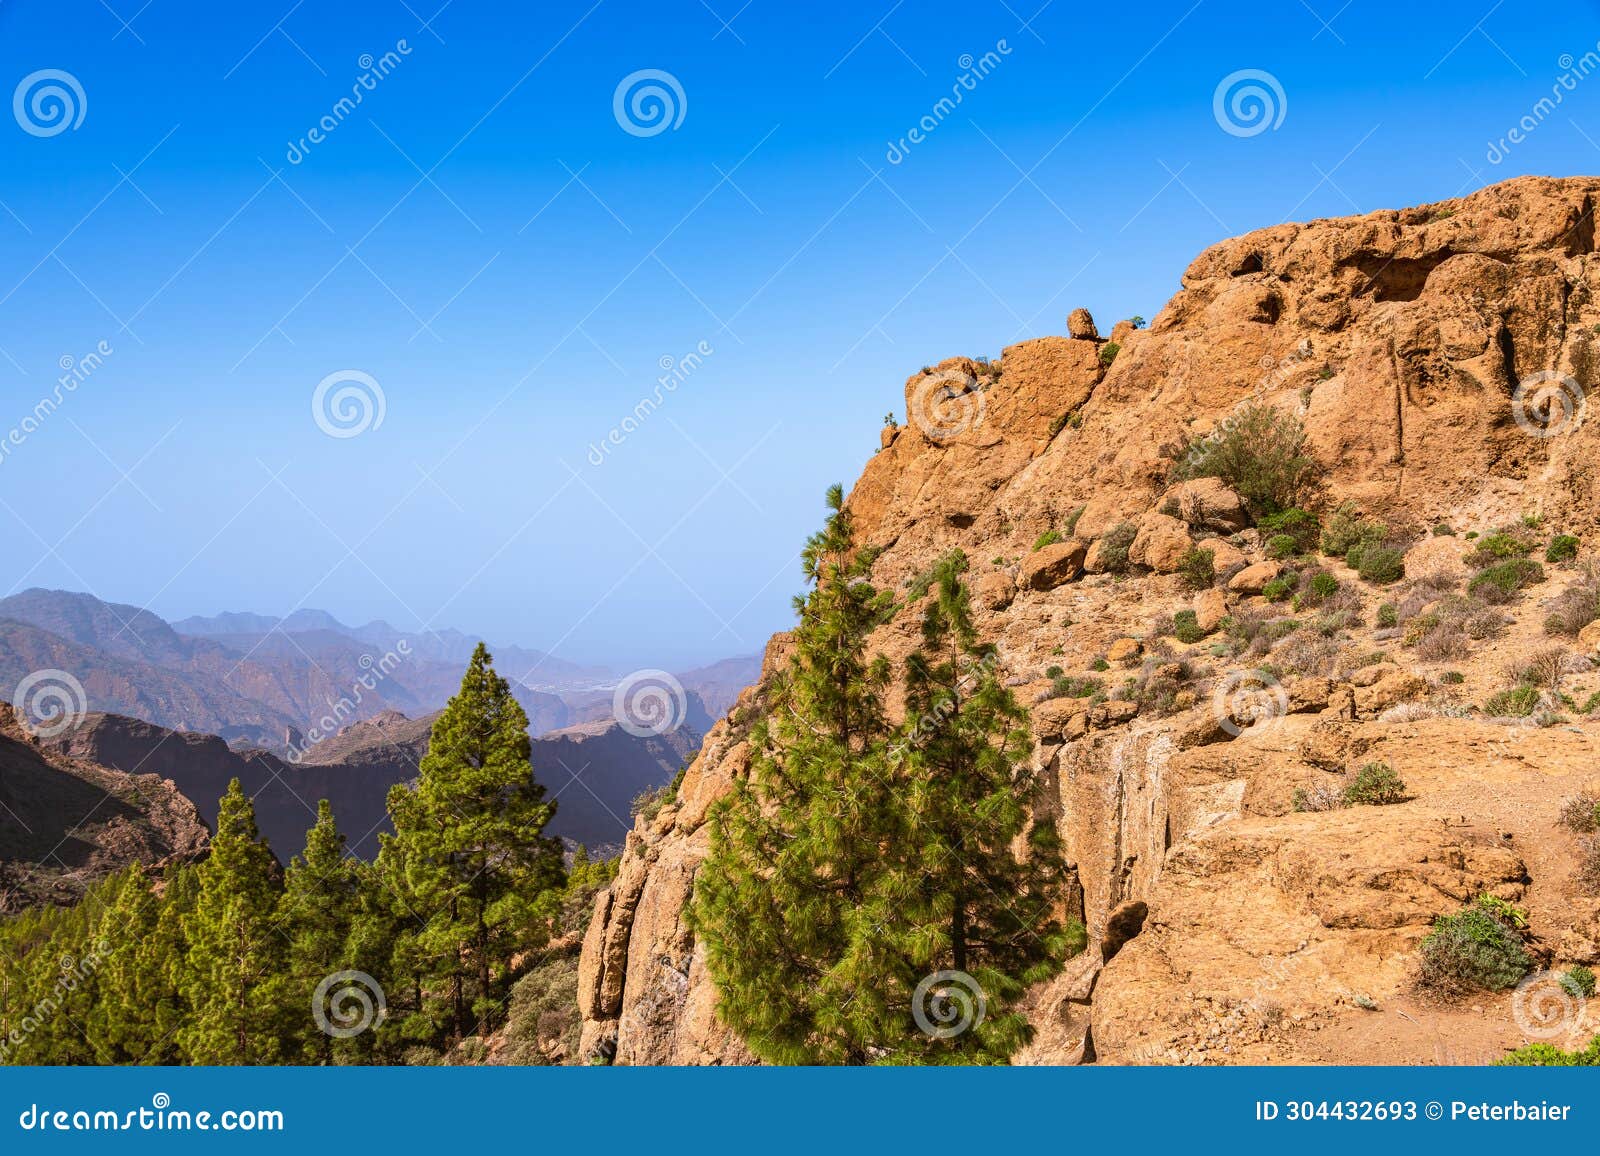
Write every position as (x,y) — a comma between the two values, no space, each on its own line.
(516,302)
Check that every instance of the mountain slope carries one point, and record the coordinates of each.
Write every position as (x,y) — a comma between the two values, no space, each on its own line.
(1227,923)
(65,822)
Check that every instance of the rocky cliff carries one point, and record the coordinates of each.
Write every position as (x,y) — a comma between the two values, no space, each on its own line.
(1436,358)
(66,821)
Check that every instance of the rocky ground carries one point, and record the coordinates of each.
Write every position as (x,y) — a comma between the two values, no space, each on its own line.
(1188,757)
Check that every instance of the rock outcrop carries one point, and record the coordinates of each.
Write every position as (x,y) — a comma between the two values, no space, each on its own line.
(66,822)
(1224,925)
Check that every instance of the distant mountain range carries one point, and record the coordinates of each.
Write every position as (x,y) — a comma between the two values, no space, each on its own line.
(299,709)
(265,682)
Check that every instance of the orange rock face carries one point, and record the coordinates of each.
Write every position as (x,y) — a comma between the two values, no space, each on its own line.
(1409,344)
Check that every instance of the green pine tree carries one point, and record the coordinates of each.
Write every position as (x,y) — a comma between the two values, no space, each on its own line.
(233,978)
(985,884)
(477,865)
(785,901)
(122,1022)
(316,911)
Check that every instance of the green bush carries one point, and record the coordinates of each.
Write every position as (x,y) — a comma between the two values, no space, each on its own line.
(1518,702)
(1278,590)
(1078,687)
(1197,568)
(1578,982)
(1452,678)
(1443,530)
(1375,785)
(1324,585)
(1070,527)
(1475,949)
(1114,546)
(1563,548)
(1382,565)
(1108,352)
(1048,538)
(1500,545)
(1388,615)
(1282,546)
(1053,672)
(1501,581)
(1186,627)
(1346,528)
(1550,1056)
(1260,453)
(1581,813)
(1301,525)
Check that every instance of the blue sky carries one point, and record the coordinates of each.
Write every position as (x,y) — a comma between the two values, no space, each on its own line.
(485,241)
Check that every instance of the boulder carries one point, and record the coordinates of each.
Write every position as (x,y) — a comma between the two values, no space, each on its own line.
(1225,556)
(1392,690)
(1589,636)
(1061,718)
(1252,579)
(1047,568)
(1081,325)
(1207,504)
(1124,650)
(1309,694)
(995,590)
(1160,544)
(1210,608)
